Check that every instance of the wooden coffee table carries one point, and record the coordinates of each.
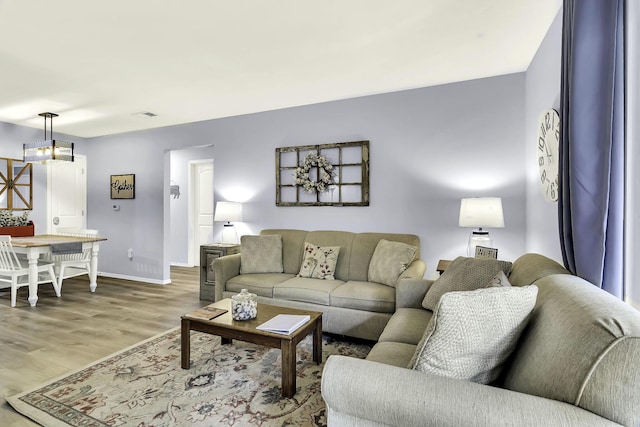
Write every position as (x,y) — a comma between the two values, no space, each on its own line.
(245,330)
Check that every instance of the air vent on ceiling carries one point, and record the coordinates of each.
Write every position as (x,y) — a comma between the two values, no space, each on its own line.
(145,114)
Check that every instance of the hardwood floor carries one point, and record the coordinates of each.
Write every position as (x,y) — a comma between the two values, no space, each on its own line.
(60,335)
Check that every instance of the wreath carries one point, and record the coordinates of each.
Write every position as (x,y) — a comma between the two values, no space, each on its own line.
(325,174)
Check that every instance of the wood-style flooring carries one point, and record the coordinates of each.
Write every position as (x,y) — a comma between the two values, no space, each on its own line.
(59,335)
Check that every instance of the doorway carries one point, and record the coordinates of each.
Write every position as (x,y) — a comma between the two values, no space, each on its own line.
(189,206)
(67,194)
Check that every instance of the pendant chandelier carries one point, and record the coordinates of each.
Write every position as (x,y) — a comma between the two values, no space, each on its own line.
(49,149)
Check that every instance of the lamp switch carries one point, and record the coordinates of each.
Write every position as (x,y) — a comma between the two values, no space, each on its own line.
(130,254)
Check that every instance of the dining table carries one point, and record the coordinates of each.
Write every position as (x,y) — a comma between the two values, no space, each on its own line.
(34,246)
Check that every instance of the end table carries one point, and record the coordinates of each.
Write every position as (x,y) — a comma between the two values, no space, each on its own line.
(208,254)
(443,264)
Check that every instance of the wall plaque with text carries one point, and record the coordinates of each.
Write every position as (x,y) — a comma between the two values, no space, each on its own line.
(123,186)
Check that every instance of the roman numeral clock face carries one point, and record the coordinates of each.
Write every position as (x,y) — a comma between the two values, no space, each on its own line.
(547,152)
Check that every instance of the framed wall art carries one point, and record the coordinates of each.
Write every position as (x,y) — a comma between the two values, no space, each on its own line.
(16,192)
(323,175)
(123,186)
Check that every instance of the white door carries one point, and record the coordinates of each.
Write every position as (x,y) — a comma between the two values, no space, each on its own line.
(201,202)
(67,194)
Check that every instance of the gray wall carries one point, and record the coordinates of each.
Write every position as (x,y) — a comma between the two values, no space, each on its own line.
(543,92)
(429,148)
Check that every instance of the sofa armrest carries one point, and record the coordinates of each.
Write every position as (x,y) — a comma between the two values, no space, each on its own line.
(365,393)
(415,270)
(225,268)
(411,292)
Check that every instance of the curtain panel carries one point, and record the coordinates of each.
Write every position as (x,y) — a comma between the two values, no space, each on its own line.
(591,190)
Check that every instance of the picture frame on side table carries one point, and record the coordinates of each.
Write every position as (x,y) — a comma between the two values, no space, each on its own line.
(487,253)
(123,186)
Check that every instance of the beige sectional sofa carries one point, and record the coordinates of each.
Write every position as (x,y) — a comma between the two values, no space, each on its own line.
(576,363)
(352,305)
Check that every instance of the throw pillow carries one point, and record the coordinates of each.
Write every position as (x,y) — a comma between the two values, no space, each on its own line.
(472,333)
(319,262)
(499,280)
(464,274)
(261,254)
(389,261)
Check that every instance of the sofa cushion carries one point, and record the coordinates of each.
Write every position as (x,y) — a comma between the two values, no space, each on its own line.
(367,296)
(260,284)
(389,260)
(464,274)
(319,262)
(530,267)
(407,325)
(472,333)
(261,254)
(306,290)
(392,353)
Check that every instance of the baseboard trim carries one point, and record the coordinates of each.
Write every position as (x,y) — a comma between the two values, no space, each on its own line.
(181,264)
(134,278)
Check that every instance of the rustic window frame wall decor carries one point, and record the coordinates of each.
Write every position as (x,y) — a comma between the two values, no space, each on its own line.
(16,190)
(347,162)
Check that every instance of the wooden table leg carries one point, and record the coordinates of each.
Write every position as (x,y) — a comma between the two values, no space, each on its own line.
(288,354)
(317,342)
(185,343)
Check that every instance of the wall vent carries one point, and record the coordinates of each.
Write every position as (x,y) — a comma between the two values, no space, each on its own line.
(145,114)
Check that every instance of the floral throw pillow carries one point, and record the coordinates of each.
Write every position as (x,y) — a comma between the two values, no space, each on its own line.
(319,262)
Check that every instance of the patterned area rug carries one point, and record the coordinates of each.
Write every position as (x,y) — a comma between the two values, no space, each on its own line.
(143,385)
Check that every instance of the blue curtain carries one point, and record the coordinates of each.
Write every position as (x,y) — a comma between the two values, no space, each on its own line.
(591,190)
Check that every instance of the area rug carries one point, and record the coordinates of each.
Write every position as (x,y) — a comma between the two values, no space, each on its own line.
(144,386)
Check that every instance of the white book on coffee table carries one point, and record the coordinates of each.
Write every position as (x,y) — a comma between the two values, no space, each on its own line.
(284,323)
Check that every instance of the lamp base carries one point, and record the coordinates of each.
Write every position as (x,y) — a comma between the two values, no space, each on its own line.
(229,234)
(478,238)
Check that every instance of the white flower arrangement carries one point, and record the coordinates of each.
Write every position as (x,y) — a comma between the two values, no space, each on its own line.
(8,220)
(325,174)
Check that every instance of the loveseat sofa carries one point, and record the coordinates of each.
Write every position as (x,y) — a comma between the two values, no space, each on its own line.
(351,303)
(576,363)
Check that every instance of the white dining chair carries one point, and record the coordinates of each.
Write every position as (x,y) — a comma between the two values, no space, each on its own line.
(72,264)
(15,271)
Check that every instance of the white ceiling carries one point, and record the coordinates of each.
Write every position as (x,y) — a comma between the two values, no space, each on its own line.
(98,63)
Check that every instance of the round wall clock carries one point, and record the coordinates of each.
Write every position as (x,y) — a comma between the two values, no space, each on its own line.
(547,147)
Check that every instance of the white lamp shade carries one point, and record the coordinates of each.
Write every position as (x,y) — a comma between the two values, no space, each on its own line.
(228,211)
(481,212)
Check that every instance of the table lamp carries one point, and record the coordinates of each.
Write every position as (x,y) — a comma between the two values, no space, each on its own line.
(228,211)
(480,212)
